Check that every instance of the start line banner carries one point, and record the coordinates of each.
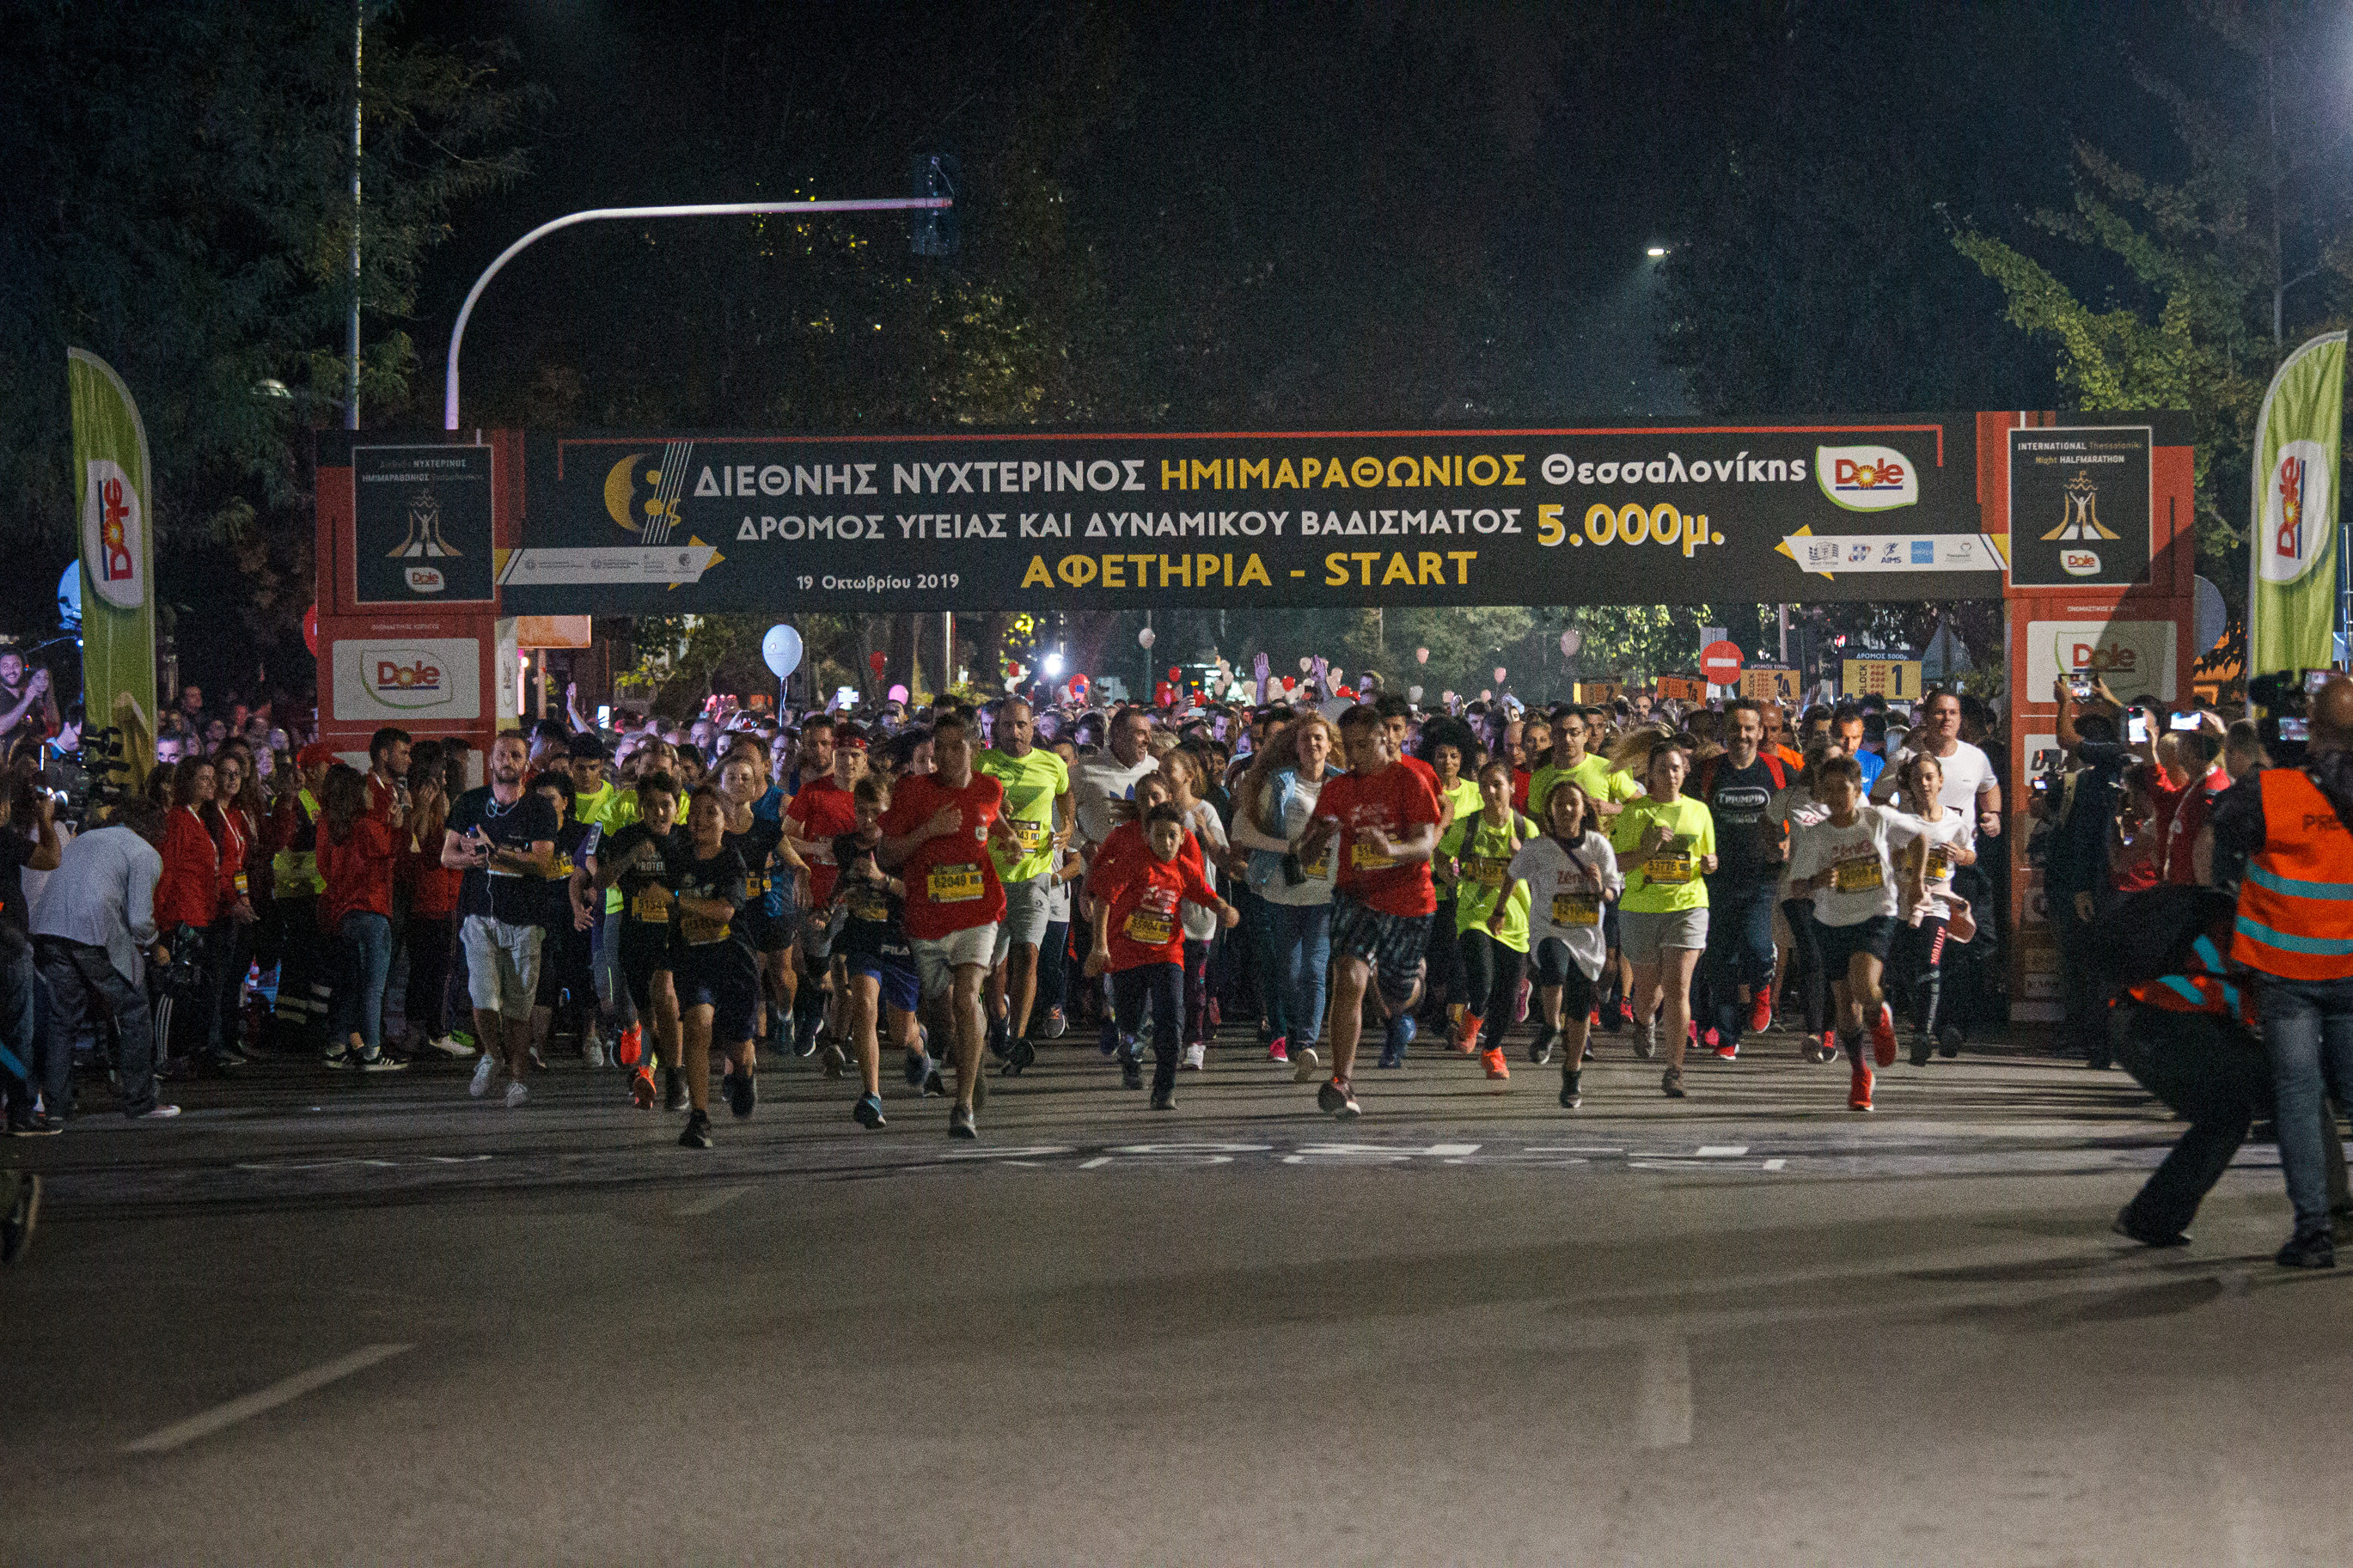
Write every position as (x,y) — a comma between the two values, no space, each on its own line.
(1633,513)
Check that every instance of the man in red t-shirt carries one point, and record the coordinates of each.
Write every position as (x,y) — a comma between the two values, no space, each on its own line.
(1396,718)
(1140,940)
(822,811)
(935,835)
(1386,821)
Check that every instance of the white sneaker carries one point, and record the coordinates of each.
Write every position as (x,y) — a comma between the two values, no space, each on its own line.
(1306,1067)
(516,1095)
(481,1084)
(161,1113)
(594,1050)
(1196,1056)
(449,1046)
(537,1060)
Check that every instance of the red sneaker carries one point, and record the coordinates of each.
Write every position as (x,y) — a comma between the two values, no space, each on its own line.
(1493,1060)
(633,1045)
(1466,1035)
(1593,1019)
(1711,1039)
(1882,1036)
(1729,1051)
(1760,1010)
(1858,1093)
(1278,1049)
(641,1088)
(1625,1014)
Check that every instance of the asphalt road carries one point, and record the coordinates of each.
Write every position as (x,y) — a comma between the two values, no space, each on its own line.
(327,1319)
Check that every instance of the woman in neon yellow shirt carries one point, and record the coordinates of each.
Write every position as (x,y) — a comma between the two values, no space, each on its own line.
(1666,846)
(1490,930)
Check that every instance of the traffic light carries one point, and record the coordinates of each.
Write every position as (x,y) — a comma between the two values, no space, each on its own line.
(937,229)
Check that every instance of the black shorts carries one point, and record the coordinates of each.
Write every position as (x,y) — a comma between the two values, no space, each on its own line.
(1839,944)
(1556,966)
(719,975)
(566,964)
(645,952)
(1610,927)
(1392,944)
(767,933)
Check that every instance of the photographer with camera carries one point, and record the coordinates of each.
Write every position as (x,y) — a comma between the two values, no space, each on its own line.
(92,935)
(2081,810)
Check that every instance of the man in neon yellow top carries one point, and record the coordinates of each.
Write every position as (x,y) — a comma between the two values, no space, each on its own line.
(1038,813)
(1609,787)
(1665,845)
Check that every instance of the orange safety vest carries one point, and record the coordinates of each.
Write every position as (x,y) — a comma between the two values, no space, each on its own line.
(2203,984)
(2295,904)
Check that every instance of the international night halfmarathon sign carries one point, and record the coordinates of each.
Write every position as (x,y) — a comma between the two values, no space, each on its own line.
(1653,513)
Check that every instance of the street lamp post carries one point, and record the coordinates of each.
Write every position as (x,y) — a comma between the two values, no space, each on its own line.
(596,215)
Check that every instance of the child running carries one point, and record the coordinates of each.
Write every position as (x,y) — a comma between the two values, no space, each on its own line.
(1140,941)
(1932,912)
(1570,877)
(872,949)
(1490,921)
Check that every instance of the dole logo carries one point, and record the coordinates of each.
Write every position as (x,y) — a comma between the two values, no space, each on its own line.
(2095,660)
(404,677)
(2079,563)
(111,534)
(424,580)
(1866,478)
(2296,505)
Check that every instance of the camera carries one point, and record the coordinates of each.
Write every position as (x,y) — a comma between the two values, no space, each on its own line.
(98,778)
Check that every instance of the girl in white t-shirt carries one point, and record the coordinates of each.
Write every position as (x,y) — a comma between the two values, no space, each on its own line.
(1847,863)
(1571,876)
(1931,911)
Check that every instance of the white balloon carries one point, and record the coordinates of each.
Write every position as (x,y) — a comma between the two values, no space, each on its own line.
(1486,696)
(1413,694)
(1421,656)
(1570,642)
(781,648)
(1146,637)
(1499,675)
(1305,664)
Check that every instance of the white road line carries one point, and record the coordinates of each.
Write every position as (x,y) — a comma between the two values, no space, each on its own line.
(1721,1150)
(1775,1164)
(710,1203)
(1098,1160)
(1662,1410)
(181,1433)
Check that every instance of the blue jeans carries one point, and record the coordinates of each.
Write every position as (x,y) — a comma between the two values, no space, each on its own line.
(1740,948)
(2308,1030)
(1296,976)
(364,945)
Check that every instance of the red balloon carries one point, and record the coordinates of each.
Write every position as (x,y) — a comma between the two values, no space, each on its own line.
(1289,681)
(1175,673)
(875,661)
(310,630)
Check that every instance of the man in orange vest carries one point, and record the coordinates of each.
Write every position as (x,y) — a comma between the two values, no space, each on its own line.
(2294,935)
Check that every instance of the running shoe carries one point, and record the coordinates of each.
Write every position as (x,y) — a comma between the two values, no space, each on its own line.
(1858,1092)
(592,1050)
(2127,1227)
(697,1133)
(918,1068)
(1056,1025)
(1588,1054)
(1519,1003)
(1337,1099)
(338,1056)
(1923,1048)
(641,1088)
(1710,1039)
(1882,1036)
(998,1029)
(480,1085)
(1646,1043)
(1670,1083)
(449,1048)
(674,1095)
(743,1093)
(868,1111)
(1197,1058)
(806,1030)
(830,1061)
(1760,1010)
(1606,1018)
(1131,1073)
(1540,1048)
(537,1060)
(39,1125)
(1593,1020)
(377,1061)
(2307,1249)
(1278,1049)
(1024,1057)
(1306,1067)
(1164,1100)
(632,1047)
(1948,1041)
(1625,1014)
(1571,1095)
(960,1123)
(935,1086)
(1729,1050)
(1398,1036)
(516,1095)
(1107,1040)
(1828,1050)
(158,1113)
(1491,1058)
(1465,1041)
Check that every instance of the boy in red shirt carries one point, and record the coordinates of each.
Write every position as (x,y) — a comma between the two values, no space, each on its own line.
(1386,821)
(935,836)
(1140,940)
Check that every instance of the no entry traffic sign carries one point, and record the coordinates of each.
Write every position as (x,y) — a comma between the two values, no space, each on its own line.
(1720,662)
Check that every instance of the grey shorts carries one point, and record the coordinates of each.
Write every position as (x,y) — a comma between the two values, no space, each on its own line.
(1645,936)
(937,958)
(1024,918)
(502,965)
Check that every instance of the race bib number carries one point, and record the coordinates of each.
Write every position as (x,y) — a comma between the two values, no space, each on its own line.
(1674,868)
(1321,867)
(1575,910)
(558,869)
(1363,857)
(1940,864)
(240,884)
(1032,837)
(1150,927)
(870,905)
(700,932)
(1487,873)
(1859,874)
(957,884)
(651,906)
(755,884)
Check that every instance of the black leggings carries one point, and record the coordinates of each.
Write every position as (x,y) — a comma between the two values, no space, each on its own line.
(1806,974)
(1918,962)
(431,941)
(1491,975)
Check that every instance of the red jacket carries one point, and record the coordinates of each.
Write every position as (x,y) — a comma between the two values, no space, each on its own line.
(232,836)
(358,873)
(189,890)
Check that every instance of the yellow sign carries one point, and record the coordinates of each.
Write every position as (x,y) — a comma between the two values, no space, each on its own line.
(1597,693)
(1895,678)
(1682,689)
(1765,683)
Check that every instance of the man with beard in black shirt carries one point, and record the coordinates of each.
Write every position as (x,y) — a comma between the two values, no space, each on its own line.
(1737,789)
(503,837)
